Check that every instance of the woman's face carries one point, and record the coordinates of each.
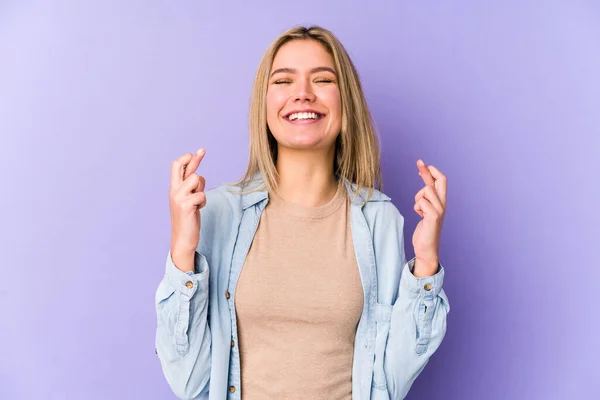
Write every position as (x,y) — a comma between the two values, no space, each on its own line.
(303,97)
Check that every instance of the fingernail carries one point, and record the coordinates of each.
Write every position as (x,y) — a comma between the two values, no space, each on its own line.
(421,163)
(200,151)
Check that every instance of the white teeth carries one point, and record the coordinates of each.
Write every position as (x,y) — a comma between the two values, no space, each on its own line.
(301,116)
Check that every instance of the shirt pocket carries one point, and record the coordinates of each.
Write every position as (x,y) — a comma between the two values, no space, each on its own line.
(383,314)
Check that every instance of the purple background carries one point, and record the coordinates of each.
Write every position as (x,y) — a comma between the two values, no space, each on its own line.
(96,100)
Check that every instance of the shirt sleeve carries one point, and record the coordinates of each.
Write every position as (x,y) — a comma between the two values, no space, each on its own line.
(417,325)
(183,339)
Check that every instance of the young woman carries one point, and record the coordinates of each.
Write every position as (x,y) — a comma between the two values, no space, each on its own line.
(294,284)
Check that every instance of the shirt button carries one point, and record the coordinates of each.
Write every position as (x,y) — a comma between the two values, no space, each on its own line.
(232,343)
(227,296)
(427,287)
(232,389)
(189,284)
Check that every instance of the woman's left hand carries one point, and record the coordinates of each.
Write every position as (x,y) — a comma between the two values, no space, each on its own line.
(430,204)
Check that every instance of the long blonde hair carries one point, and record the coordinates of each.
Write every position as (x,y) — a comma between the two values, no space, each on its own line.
(356,148)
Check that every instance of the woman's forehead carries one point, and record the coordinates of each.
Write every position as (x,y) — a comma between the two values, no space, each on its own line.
(302,54)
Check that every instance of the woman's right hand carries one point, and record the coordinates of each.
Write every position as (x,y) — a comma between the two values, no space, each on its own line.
(186,198)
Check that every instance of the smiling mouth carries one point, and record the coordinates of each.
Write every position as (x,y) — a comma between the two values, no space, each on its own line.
(304,116)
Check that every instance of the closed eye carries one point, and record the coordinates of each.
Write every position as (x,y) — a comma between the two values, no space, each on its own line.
(322,80)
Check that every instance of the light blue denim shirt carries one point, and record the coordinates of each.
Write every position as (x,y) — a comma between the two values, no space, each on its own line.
(402,323)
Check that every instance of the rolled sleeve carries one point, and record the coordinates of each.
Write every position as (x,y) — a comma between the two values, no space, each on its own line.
(183,336)
(178,298)
(427,286)
(427,296)
(188,283)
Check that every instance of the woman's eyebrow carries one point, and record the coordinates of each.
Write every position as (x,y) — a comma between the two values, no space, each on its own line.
(294,70)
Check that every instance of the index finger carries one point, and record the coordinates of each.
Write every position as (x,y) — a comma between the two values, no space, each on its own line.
(177,168)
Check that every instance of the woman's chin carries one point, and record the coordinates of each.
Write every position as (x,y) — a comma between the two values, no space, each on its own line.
(305,139)
(304,143)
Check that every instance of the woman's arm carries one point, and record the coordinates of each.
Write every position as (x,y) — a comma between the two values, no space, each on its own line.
(411,311)
(183,338)
(417,327)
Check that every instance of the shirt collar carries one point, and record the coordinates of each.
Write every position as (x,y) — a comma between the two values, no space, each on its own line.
(255,192)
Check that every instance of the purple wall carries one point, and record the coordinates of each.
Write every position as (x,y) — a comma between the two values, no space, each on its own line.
(96,100)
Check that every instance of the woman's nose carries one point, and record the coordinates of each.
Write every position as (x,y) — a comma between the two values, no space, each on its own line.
(304,92)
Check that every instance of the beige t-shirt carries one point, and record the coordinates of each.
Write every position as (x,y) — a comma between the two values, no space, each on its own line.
(298,301)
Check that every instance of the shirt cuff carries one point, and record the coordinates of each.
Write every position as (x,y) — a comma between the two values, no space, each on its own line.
(427,286)
(187,283)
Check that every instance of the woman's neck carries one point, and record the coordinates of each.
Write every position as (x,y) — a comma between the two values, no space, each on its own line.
(306,177)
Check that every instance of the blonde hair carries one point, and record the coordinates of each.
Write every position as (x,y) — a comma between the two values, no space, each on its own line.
(356,147)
